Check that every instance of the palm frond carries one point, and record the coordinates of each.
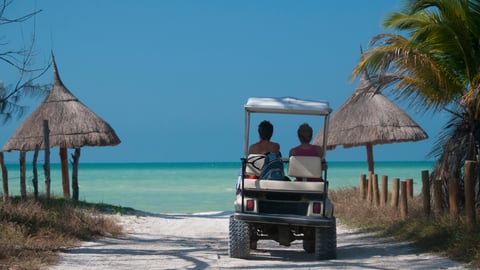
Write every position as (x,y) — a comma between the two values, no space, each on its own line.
(452,131)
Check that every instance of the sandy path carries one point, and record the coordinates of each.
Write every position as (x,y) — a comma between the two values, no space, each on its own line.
(201,242)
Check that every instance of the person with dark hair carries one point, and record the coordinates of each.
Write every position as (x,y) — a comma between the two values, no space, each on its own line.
(265,131)
(305,133)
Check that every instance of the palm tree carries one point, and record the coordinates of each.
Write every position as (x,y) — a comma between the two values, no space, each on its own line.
(435,65)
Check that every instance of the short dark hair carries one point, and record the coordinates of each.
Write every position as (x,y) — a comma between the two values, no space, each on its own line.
(265,130)
(305,133)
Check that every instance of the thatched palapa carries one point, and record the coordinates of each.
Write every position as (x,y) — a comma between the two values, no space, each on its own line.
(71,123)
(368,118)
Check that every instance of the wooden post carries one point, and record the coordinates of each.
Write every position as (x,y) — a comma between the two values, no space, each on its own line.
(395,192)
(384,194)
(4,177)
(369,147)
(35,172)
(75,158)
(363,186)
(426,192)
(370,187)
(376,193)
(409,182)
(403,200)
(437,196)
(470,169)
(46,166)
(453,196)
(65,177)
(23,169)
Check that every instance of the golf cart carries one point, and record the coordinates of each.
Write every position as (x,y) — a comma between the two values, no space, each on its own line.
(284,210)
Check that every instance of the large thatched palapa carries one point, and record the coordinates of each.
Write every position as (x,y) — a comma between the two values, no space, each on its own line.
(71,125)
(368,118)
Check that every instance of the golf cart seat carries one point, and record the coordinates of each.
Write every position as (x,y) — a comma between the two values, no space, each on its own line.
(305,168)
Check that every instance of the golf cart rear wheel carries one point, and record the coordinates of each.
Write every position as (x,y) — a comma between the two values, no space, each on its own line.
(239,239)
(326,242)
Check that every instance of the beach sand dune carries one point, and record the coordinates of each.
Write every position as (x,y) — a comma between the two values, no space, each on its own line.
(200,241)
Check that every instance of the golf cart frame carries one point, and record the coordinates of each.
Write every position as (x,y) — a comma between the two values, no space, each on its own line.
(284,211)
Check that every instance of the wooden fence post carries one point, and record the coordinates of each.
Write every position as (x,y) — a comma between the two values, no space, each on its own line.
(384,194)
(370,187)
(403,200)
(376,193)
(426,192)
(363,186)
(470,169)
(437,196)
(453,196)
(409,182)
(395,191)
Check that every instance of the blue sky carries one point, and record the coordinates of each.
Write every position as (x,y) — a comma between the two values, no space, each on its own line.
(171,77)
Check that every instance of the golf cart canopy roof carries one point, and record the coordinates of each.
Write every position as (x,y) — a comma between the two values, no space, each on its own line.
(288,105)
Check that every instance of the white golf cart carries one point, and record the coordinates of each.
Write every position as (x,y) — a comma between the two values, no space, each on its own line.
(286,209)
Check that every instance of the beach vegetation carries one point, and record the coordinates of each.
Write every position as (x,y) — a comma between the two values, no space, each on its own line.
(33,232)
(432,60)
(440,233)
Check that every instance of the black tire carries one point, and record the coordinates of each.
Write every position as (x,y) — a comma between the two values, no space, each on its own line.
(239,239)
(253,244)
(326,242)
(309,239)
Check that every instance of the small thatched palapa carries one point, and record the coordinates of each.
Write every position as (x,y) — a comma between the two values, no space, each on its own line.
(71,123)
(368,118)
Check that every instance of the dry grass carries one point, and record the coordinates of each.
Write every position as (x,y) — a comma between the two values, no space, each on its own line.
(32,232)
(441,234)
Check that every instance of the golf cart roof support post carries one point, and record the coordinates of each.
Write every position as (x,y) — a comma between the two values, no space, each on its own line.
(325,194)
(242,188)
(325,133)
(247,131)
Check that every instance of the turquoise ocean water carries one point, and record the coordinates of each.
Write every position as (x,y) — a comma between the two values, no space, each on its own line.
(188,187)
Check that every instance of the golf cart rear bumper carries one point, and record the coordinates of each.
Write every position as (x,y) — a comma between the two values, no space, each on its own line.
(285,220)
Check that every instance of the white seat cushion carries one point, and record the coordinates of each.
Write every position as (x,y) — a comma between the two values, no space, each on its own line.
(305,166)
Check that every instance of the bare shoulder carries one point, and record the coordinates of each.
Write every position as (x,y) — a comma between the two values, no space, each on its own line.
(253,148)
(276,146)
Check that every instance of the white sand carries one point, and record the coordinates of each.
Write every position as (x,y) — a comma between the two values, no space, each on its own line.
(200,241)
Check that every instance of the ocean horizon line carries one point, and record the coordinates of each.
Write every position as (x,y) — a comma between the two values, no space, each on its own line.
(206,162)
